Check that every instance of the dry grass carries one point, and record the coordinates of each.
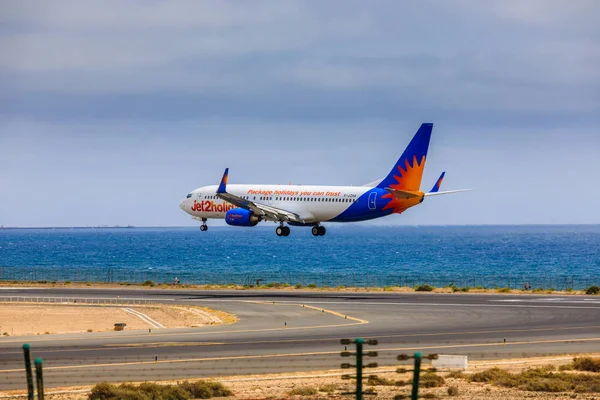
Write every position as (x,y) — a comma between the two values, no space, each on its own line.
(303,391)
(431,380)
(586,364)
(375,380)
(153,391)
(542,379)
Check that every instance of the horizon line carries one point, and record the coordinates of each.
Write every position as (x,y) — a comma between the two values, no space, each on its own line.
(265,226)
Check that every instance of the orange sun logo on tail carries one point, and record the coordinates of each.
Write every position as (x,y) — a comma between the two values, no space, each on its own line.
(408,180)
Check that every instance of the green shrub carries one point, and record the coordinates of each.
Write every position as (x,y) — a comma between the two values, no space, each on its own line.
(106,391)
(541,379)
(503,290)
(312,285)
(453,391)
(375,380)
(206,389)
(456,375)
(424,288)
(303,391)
(593,290)
(587,364)
(431,380)
(164,392)
(148,283)
(298,286)
(153,391)
(328,388)
(489,375)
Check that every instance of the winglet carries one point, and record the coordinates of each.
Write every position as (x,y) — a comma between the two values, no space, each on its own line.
(437,185)
(223,185)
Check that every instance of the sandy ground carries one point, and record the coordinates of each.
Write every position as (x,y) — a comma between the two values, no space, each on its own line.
(17,319)
(278,386)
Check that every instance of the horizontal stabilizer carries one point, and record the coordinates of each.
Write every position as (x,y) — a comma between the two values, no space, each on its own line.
(404,194)
(447,192)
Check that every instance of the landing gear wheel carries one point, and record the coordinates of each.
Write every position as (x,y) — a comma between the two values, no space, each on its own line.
(321,230)
(204,227)
(315,230)
(282,230)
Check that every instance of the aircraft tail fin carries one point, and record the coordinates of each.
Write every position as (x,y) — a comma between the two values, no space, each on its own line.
(408,170)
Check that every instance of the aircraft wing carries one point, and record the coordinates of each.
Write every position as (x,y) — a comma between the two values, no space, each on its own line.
(263,210)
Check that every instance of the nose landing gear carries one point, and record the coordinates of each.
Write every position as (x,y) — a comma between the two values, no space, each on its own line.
(318,230)
(203,227)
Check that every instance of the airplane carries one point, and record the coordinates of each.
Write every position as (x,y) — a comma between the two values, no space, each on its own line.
(308,205)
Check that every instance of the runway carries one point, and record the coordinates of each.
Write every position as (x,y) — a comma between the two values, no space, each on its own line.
(288,331)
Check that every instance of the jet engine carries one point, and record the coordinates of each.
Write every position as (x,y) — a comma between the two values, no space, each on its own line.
(241,217)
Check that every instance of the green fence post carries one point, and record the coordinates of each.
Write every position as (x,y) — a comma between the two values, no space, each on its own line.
(416,374)
(28,371)
(359,368)
(39,378)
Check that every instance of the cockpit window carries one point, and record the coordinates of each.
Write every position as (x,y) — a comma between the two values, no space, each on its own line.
(188,196)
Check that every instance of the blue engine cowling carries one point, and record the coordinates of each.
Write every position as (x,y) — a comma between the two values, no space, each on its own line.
(241,217)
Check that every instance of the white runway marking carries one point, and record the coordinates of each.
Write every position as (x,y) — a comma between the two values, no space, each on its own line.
(351,303)
(144,318)
(565,301)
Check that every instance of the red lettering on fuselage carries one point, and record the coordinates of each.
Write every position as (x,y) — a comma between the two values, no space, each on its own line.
(211,206)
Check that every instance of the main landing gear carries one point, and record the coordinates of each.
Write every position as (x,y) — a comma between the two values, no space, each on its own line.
(203,227)
(282,230)
(319,230)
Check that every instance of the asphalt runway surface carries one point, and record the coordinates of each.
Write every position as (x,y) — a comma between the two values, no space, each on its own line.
(287,331)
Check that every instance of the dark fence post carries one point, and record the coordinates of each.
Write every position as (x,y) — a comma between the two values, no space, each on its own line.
(39,378)
(416,375)
(29,374)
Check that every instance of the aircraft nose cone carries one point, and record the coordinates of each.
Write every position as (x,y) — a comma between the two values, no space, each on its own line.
(182,205)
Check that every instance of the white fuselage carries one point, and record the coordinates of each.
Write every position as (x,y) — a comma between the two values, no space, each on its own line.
(311,203)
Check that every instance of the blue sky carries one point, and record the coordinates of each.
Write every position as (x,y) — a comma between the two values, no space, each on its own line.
(110,112)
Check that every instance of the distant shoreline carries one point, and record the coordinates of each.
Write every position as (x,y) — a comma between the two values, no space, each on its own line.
(70,227)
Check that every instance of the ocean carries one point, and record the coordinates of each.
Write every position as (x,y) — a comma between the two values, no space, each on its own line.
(348,255)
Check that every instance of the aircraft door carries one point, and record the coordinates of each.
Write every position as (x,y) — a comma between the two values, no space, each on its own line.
(373,201)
